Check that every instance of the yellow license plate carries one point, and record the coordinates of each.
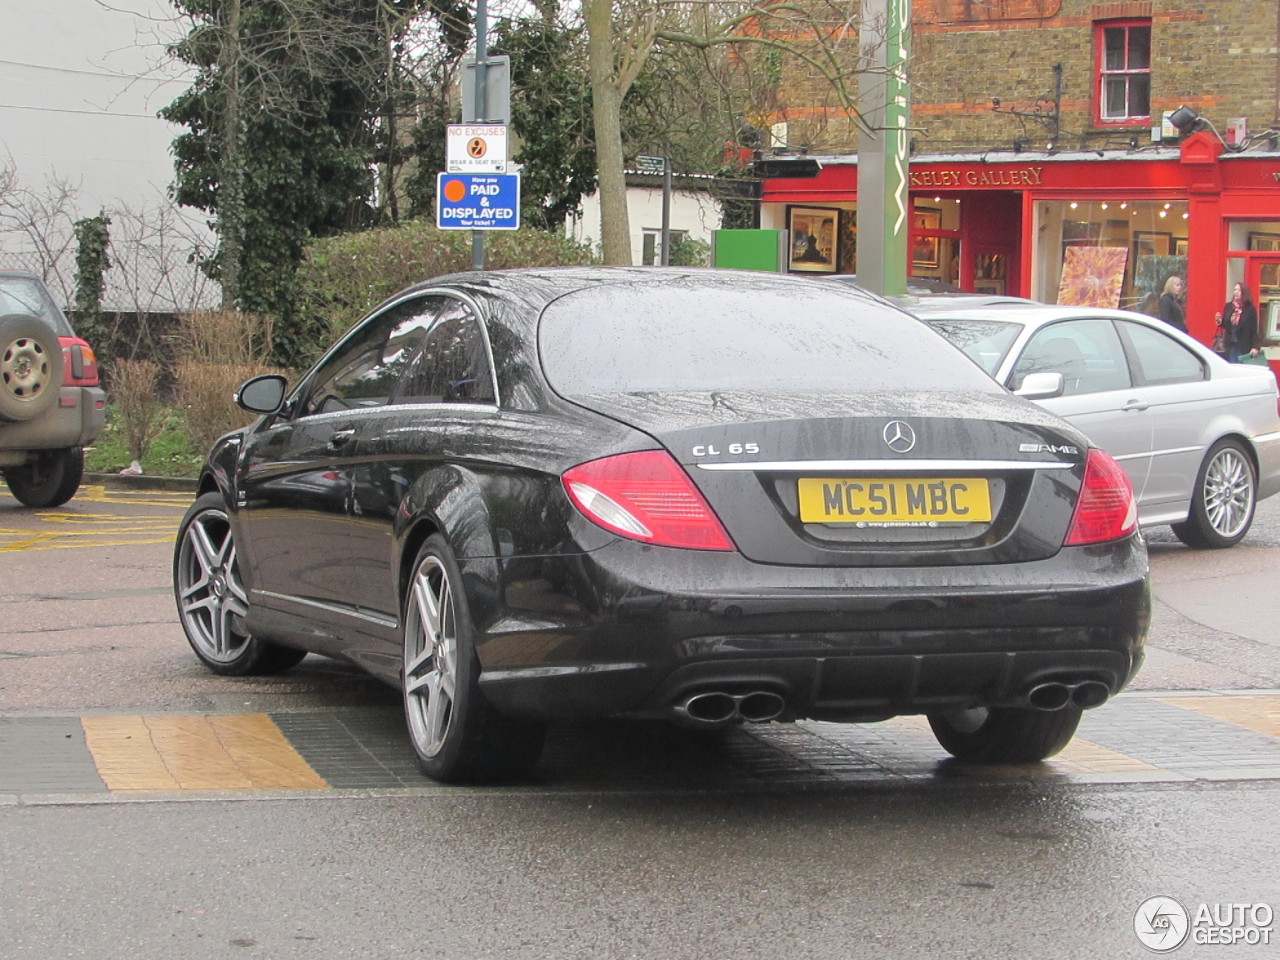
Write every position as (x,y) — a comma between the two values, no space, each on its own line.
(894,500)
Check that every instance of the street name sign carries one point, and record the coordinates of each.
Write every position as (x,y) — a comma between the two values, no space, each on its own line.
(476,148)
(473,201)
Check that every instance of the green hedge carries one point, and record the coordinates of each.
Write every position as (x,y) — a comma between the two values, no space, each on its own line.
(342,278)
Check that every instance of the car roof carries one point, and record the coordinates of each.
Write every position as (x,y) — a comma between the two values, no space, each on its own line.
(544,284)
(1026,312)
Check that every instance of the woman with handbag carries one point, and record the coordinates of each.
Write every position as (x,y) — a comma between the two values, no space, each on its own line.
(1238,324)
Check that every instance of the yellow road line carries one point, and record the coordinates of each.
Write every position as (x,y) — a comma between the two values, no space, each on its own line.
(244,752)
(96,493)
(1258,713)
(41,543)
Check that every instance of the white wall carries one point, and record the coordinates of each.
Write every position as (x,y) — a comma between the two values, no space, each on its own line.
(693,211)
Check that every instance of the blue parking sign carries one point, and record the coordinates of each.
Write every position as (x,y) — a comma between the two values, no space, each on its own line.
(478,201)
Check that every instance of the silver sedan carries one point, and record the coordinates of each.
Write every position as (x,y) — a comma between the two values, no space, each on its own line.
(1199,437)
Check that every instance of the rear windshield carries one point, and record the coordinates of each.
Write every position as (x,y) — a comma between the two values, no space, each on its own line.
(985,341)
(748,335)
(24,295)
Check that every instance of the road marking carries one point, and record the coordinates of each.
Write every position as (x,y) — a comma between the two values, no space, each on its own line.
(1258,713)
(176,754)
(94,493)
(74,529)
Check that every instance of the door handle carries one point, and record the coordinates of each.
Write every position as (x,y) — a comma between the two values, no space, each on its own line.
(340,438)
(1136,405)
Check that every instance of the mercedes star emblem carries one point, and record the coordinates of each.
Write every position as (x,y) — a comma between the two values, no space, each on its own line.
(899,436)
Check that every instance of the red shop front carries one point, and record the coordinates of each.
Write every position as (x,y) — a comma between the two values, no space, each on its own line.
(1007,223)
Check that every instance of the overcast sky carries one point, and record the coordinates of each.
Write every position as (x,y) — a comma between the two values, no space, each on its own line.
(80,84)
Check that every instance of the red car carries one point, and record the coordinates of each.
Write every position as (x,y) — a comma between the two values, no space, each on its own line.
(51,405)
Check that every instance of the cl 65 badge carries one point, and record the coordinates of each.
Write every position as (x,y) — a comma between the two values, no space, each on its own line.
(733,449)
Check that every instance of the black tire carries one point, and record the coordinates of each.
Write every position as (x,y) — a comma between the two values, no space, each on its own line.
(212,600)
(30,367)
(1005,734)
(50,480)
(1223,500)
(456,734)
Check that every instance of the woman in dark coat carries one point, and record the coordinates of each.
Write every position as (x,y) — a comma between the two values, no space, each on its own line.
(1171,311)
(1239,319)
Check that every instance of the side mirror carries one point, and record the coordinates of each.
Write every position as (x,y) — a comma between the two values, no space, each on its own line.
(262,394)
(1041,386)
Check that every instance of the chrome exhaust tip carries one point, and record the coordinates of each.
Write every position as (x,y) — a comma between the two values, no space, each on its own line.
(761,706)
(707,709)
(1090,694)
(1049,696)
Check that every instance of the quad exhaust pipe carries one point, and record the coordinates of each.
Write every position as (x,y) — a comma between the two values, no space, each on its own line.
(715,708)
(1054,695)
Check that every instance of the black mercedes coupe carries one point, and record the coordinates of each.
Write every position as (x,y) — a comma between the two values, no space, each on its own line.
(711,496)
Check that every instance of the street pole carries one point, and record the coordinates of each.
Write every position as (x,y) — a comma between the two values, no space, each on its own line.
(884,101)
(666,210)
(481,108)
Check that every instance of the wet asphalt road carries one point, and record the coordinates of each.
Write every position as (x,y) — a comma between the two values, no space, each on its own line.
(610,867)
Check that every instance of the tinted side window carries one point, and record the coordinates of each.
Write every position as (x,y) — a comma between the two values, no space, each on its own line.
(453,365)
(1086,352)
(362,372)
(1158,358)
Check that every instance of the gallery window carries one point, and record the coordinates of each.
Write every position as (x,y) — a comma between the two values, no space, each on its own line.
(1122,94)
(1109,253)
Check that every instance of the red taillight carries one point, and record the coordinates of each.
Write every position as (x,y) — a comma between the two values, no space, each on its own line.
(1106,509)
(79,364)
(646,496)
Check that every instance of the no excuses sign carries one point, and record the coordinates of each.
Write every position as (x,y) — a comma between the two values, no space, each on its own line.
(476,148)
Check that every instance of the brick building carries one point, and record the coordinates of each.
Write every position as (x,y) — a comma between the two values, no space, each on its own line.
(1042,125)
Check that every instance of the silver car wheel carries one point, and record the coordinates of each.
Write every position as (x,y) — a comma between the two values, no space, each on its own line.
(211,597)
(430,657)
(1228,492)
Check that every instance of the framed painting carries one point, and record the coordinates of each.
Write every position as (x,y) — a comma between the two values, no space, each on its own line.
(924,250)
(992,286)
(1264,241)
(813,239)
(1272,315)
(1180,247)
(1081,233)
(1148,243)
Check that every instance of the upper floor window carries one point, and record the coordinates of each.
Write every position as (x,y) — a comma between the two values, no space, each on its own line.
(1123,91)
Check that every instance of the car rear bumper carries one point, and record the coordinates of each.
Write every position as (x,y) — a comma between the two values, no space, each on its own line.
(75,421)
(603,634)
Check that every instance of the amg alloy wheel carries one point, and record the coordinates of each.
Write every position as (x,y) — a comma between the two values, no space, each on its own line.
(1223,500)
(212,600)
(456,734)
(1005,734)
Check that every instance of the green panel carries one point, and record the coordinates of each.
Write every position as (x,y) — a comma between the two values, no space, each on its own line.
(748,249)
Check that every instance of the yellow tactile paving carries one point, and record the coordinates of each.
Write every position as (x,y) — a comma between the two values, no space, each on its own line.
(1081,756)
(1078,757)
(245,752)
(1258,713)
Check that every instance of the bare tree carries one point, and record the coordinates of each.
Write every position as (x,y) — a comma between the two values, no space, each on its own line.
(819,37)
(38,227)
